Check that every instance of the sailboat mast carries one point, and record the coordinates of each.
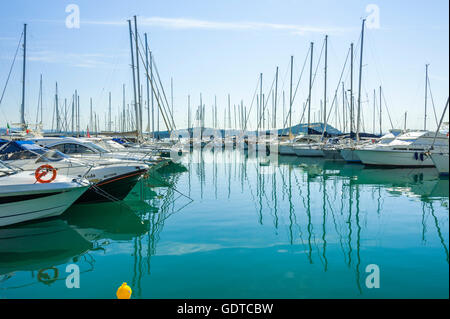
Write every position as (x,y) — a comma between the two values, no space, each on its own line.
(310,85)
(90,114)
(147,81)
(325,87)
(374,112)
(360,77)
(189,114)
(139,104)
(132,65)
(22,108)
(351,89)
(123,109)
(152,94)
(381,108)
(406,113)
(260,101)
(343,108)
(171,95)
(275,101)
(229,112)
(39,108)
(215,111)
(426,95)
(109,114)
(290,97)
(58,128)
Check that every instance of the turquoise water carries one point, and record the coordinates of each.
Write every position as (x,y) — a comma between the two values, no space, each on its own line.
(233,225)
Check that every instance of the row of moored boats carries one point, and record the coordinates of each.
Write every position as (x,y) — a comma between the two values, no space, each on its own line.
(42,177)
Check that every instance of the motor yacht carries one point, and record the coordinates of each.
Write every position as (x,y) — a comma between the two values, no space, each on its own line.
(93,152)
(406,150)
(112,180)
(23,198)
(348,149)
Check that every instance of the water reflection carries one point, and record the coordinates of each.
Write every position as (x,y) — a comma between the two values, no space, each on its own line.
(331,202)
(39,248)
(37,252)
(322,214)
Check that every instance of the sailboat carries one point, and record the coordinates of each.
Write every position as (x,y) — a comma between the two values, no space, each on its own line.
(348,152)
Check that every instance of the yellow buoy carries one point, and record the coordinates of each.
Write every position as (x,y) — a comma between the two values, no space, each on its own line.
(124,291)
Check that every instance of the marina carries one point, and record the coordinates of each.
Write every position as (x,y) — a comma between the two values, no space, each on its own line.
(306,182)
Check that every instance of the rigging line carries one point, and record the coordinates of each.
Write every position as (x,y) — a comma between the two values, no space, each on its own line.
(432,101)
(314,78)
(10,69)
(281,92)
(301,73)
(312,84)
(251,105)
(283,80)
(164,112)
(387,109)
(267,101)
(355,56)
(164,93)
(157,94)
(336,92)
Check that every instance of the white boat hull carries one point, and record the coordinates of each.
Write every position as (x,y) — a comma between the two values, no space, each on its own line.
(44,207)
(392,158)
(22,199)
(441,160)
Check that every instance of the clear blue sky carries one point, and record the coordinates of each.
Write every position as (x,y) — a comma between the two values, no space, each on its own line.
(220,47)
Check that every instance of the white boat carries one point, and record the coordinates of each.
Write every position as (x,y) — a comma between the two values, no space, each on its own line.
(308,146)
(441,160)
(348,151)
(407,150)
(22,198)
(115,178)
(88,150)
(287,147)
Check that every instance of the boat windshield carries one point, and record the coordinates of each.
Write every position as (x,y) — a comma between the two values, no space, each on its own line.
(98,147)
(27,150)
(109,145)
(6,170)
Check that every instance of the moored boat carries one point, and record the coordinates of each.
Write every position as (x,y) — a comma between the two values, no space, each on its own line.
(22,198)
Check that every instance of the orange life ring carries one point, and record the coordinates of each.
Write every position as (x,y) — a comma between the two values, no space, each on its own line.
(42,171)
